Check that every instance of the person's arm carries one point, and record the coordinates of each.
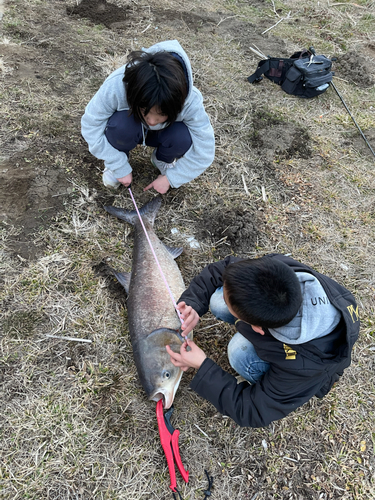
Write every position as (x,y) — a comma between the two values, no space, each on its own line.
(201,288)
(202,151)
(108,99)
(272,398)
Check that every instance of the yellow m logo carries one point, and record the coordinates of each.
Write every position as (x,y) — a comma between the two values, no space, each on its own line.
(354,314)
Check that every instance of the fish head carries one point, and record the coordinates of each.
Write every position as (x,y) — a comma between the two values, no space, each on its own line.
(159,377)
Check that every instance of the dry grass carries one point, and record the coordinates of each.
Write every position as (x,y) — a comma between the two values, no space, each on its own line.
(75,421)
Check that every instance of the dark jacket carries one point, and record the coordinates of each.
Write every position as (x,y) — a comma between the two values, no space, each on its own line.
(296,373)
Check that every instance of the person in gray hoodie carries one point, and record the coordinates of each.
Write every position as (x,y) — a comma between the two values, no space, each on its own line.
(151,101)
(295,333)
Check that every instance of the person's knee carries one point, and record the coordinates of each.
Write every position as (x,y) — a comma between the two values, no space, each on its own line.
(176,137)
(219,308)
(238,348)
(182,137)
(123,132)
(244,359)
(216,302)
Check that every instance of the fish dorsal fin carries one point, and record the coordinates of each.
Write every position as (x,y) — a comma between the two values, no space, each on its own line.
(148,212)
(175,252)
(124,279)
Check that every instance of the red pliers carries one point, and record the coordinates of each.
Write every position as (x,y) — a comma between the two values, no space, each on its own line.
(169,441)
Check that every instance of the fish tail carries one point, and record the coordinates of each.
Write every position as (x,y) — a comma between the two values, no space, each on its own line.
(151,209)
(148,212)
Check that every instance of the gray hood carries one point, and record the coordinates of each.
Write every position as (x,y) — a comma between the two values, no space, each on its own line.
(316,317)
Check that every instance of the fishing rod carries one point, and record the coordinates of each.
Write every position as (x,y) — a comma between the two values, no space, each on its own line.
(312,50)
(352,117)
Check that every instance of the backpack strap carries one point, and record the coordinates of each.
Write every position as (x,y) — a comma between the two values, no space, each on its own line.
(263,66)
(276,66)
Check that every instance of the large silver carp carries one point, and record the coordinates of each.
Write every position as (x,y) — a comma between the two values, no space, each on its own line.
(153,320)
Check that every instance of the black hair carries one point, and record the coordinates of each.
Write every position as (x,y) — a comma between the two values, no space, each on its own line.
(264,292)
(156,79)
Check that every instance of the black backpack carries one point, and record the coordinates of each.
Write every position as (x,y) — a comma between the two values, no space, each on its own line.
(303,74)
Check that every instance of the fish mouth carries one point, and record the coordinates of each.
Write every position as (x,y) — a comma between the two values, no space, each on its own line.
(166,394)
(167,398)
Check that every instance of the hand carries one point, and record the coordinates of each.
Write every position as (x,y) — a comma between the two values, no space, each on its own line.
(160,184)
(190,317)
(192,358)
(127,180)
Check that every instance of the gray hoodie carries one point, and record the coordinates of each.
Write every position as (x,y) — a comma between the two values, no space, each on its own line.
(316,317)
(111,97)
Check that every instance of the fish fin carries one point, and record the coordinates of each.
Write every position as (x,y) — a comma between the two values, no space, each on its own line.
(151,209)
(124,279)
(175,252)
(148,211)
(129,216)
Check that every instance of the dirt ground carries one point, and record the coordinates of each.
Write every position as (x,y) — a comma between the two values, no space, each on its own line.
(289,176)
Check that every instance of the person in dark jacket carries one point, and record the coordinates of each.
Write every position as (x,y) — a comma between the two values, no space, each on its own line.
(295,333)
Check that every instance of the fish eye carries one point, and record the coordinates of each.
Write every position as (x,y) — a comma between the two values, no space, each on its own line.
(166,374)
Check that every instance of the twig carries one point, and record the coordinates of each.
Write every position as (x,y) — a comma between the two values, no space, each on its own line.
(146,28)
(274,8)
(244,185)
(342,79)
(225,18)
(345,3)
(222,240)
(209,326)
(259,54)
(350,17)
(204,434)
(264,195)
(68,338)
(279,21)
(291,459)
(61,194)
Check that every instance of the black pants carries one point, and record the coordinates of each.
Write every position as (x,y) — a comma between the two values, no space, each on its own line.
(124,133)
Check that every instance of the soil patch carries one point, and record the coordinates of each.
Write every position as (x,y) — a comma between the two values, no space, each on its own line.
(356,68)
(30,196)
(99,12)
(359,143)
(231,230)
(189,19)
(248,34)
(274,137)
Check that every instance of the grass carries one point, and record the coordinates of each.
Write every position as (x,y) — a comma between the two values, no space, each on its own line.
(75,420)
